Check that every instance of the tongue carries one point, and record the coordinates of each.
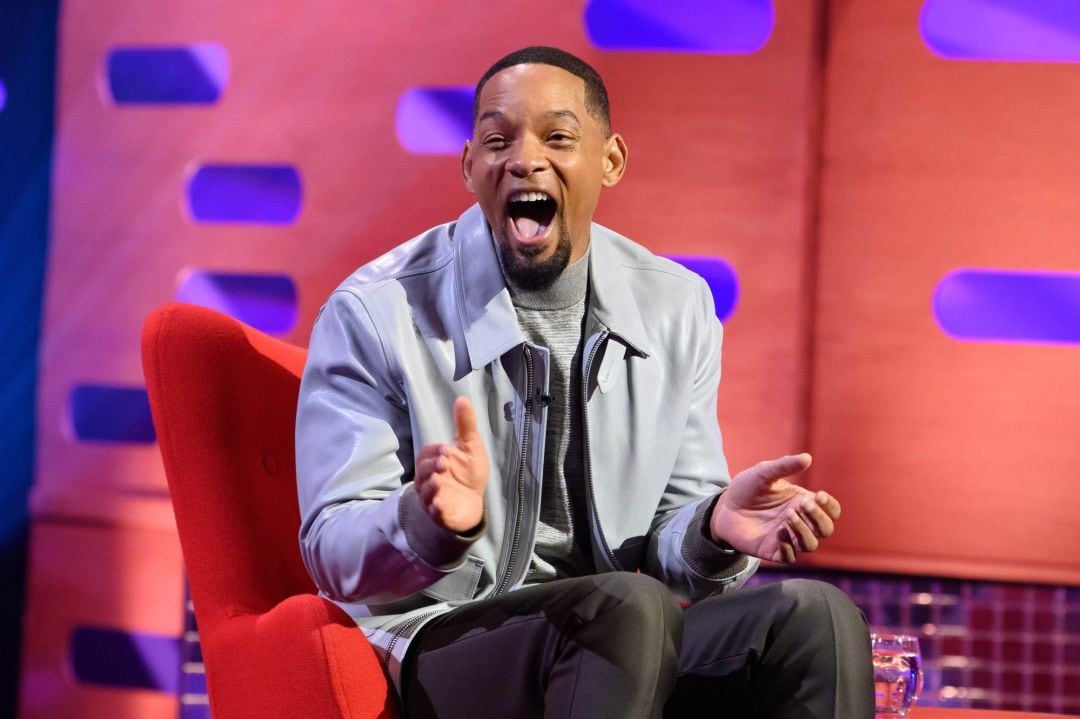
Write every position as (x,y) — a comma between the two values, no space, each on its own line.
(528,227)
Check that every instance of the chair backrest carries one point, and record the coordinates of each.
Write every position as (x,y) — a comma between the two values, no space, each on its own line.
(223,397)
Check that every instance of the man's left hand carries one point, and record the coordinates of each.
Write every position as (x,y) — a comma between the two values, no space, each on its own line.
(766,516)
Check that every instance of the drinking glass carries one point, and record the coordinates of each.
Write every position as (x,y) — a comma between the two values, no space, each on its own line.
(897,673)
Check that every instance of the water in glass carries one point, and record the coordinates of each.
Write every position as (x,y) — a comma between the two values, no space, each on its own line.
(897,673)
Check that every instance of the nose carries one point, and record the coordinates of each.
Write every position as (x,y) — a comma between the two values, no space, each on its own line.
(528,157)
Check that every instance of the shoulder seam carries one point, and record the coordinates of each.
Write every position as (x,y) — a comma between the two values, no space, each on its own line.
(391,366)
(681,273)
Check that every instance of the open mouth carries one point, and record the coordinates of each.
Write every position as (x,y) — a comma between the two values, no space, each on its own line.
(531,213)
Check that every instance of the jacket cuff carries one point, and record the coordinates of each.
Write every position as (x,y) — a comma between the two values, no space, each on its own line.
(442,549)
(709,559)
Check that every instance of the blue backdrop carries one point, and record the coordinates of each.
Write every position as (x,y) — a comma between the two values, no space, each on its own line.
(27,80)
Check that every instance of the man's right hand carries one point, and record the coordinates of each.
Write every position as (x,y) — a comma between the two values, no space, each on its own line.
(450,478)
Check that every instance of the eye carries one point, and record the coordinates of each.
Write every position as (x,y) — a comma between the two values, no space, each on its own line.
(496,142)
(562,139)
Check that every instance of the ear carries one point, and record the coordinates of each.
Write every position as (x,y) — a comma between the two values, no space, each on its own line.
(615,155)
(466,166)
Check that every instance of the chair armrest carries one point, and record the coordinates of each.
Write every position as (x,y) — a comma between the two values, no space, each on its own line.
(305,657)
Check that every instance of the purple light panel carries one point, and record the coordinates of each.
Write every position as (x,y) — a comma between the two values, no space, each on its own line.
(128,660)
(435,120)
(1009,306)
(721,278)
(3,95)
(700,26)
(266,302)
(260,194)
(190,74)
(106,413)
(1020,30)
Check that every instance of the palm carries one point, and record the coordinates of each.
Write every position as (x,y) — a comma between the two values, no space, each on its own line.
(764,515)
(450,478)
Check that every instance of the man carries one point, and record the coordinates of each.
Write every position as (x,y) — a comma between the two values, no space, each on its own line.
(507,435)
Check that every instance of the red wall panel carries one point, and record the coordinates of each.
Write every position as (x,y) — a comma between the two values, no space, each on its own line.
(956,458)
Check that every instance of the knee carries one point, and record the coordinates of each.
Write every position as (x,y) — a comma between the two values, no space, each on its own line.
(816,603)
(816,595)
(640,604)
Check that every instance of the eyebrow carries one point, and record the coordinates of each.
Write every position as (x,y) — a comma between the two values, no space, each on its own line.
(550,114)
(490,115)
(558,114)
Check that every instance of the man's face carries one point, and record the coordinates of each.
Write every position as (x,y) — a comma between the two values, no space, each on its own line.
(536,164)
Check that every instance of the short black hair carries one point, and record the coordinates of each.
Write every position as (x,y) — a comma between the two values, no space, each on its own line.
(596,99)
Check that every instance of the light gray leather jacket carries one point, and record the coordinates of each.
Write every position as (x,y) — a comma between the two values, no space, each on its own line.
(431,320)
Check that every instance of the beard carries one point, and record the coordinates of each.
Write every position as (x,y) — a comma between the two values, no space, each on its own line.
(529,272)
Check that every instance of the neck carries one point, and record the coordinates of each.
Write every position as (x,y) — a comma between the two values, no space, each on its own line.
(568,289)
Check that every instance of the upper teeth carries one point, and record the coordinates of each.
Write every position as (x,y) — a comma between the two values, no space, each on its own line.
(529,197)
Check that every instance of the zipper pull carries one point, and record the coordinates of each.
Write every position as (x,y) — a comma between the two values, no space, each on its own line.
(541,399)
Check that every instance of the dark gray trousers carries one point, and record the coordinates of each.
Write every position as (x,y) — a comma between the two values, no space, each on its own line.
(618,645)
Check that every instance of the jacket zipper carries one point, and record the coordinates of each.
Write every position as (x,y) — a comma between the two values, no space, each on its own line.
(401,631)
(523,466)
(588,452)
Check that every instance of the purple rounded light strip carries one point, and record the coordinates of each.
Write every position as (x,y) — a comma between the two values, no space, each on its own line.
(193,74)
(111,413)
(125,659)
(435,120)
(698,26)
(267,302)
(1009,30)
(258,194)
(1009,306)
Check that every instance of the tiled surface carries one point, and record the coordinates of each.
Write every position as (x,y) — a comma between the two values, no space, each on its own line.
(984,645)
(194,700)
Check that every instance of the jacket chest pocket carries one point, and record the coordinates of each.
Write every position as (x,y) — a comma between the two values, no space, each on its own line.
(606,370)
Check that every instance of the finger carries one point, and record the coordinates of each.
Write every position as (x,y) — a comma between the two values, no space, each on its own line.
(465,420)
(429,466)
(457,462)
(437,477)
(785,547)
(425,490)
(427,453)
(816,516)
(802,534)
(435,509)
(430,450)
(773,469)
(827,502)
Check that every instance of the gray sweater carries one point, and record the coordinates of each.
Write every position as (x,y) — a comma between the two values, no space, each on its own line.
(553,318)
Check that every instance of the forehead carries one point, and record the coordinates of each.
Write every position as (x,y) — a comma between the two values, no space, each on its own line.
(532,88)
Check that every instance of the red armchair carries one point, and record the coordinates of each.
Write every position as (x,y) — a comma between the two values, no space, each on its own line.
(223,397)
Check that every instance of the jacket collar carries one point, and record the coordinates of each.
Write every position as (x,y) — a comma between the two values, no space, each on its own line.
(611,301)
(487,314)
